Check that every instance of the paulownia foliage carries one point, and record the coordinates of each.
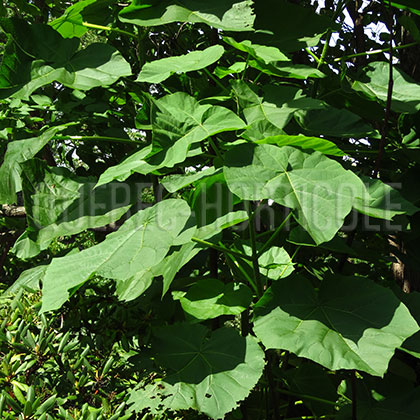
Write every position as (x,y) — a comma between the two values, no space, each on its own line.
(320,189)
(230,15)
(159,70)
(131,253)
(18,152)
(209,372)
(268,156)
(349,323)
(58,203)
(42,56)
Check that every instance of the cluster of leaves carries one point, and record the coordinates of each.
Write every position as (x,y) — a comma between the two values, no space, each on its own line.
(248,186)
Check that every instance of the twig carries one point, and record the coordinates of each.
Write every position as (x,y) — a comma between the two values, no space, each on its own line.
(384,130)
(373,52)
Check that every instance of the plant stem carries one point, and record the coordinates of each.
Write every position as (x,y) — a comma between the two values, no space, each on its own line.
(273,236)
(271,360)
(221,248)
(384,130)
(244,273)
(215,148)
(324,50)
(373,52)
(101,138)
(255,264)
(215,80)
(104,28)
(354,393)
(305,396)
(313,55)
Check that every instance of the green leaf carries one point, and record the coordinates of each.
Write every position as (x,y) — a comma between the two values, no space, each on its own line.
(374,84)
(382,201)
(278,105)
(180,121)
(288,26)
(235,68)
(55,59)
(262,52)
(329,121)
(350,323)
(59,203)
(159,70)
(139,245)
(326,147)
(70,24)
(173,183)
(210,298)
(275,263)
(229,15)
(18,152)
(30,278)
(209,372)
(133,164)
(285,69)
(320,189)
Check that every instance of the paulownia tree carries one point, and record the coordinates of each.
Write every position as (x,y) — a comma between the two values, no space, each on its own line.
(249,169)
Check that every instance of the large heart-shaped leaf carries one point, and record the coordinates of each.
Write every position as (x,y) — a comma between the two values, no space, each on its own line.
(57,59)
(127,254)
(18,152)
(229,15)
(159,70)
(209,372)
(58,203)
(180,121)
(350,323)
(320,189)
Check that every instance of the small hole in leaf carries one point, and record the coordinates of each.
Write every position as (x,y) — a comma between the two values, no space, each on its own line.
(208,396)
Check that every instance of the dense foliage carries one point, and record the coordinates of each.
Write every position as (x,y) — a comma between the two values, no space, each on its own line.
(209,209)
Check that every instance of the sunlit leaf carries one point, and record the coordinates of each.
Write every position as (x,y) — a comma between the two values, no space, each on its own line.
(139,245)
(320,189)
(350,323)
(229,15)
(159,70)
